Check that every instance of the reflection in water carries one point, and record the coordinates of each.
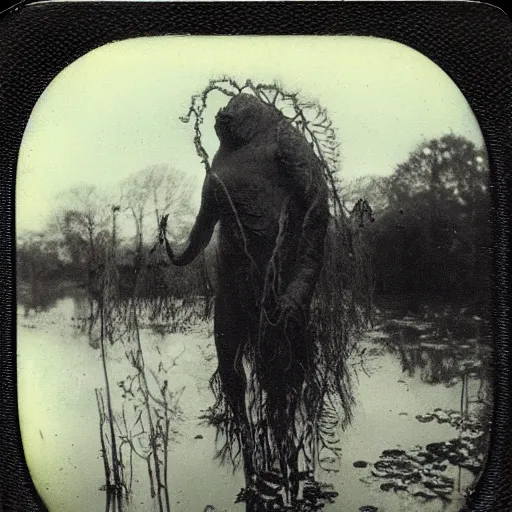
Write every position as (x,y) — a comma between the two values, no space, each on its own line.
(39,296)
(85,316)
(455,361)
(437,362)
(163,315)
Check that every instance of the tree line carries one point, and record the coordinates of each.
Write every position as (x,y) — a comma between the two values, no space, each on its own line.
(431,239)
(430,242)
(89,224)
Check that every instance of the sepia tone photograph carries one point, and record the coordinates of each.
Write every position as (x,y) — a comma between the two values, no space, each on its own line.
(253,274)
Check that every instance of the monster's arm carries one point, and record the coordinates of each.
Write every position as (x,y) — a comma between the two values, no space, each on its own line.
(202,231)
(300,163)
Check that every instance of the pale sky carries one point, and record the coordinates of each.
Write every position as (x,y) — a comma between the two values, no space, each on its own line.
(116,110)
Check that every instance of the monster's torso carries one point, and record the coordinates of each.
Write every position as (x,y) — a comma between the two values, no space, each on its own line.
(254,196)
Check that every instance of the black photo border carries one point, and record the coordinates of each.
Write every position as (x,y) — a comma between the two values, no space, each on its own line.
(470,41)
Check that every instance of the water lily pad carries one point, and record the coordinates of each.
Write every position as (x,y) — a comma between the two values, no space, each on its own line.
(393,453)
(442,417)
(421,491)
(437,484)
(473,466)
(439,449)
(394,468)
(421,457)
(426,418)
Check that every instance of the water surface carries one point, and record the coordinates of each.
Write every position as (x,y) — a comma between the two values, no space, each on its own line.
(58,372)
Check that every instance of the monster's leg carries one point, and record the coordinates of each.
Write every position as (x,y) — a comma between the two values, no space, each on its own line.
(283,365)
(301,366)
(295,377)
(230,337)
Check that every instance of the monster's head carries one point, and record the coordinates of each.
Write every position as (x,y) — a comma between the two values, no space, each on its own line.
(244,117)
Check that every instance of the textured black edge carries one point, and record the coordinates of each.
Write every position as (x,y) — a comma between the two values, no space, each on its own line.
(472,42)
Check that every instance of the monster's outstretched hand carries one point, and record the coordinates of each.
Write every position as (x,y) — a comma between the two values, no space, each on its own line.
(162,232)
(162,229)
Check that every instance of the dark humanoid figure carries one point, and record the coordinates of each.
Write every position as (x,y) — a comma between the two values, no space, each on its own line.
(267,192)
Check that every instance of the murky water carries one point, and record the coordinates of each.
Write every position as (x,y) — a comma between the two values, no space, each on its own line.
(58,372)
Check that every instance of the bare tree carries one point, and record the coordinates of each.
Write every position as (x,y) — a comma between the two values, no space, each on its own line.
(82,220)
(156,190)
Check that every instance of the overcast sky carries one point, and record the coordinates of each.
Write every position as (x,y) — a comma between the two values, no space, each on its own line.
(116,110)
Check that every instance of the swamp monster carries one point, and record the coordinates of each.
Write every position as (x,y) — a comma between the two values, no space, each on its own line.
(267,192)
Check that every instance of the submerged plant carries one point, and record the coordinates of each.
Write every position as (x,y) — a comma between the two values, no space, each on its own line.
(146,424)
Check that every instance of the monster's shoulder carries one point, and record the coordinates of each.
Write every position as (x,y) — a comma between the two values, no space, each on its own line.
(293,149)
